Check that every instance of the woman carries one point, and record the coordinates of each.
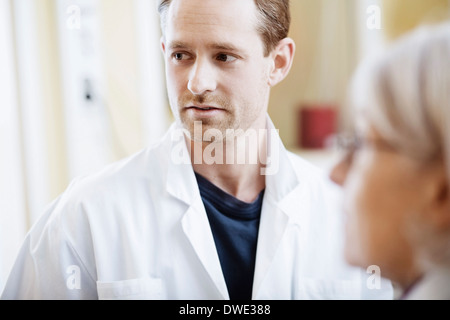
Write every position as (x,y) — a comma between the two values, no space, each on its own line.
(396,177)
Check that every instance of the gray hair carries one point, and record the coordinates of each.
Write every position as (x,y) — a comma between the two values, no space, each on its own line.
(404,93)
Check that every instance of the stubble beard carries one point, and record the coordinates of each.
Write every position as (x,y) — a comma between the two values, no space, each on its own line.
(222,124)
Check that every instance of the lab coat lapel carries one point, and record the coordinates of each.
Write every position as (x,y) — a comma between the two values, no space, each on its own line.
(279,203)
(196,227)
(182,184)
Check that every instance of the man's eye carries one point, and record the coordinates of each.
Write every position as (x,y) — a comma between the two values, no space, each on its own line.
(179,56)
(225,58)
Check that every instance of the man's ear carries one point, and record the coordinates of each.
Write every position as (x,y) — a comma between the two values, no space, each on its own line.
(283,57)
(163,45)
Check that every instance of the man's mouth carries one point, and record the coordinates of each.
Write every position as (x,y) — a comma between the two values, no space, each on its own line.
(203,108)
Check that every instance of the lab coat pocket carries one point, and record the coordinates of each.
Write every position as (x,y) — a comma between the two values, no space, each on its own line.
(136,289)
(321,289)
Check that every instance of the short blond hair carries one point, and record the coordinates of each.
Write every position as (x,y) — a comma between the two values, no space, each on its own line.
(273,26)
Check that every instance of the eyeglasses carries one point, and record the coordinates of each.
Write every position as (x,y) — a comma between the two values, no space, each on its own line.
(350,143)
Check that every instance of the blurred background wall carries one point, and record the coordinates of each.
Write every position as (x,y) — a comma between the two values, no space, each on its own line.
(82,85)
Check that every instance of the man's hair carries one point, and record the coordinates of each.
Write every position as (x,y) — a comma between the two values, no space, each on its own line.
(273,26)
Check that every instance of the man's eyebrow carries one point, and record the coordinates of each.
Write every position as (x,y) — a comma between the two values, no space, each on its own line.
(224,46)
(215,45)
(178,45)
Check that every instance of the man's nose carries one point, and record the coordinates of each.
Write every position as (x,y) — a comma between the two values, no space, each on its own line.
(202,78)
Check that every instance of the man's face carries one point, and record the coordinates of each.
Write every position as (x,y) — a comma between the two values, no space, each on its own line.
(215,65)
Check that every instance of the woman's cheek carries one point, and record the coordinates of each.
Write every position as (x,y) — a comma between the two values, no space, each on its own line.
(359,200)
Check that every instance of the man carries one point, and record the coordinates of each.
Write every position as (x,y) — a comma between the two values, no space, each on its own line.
(219,209)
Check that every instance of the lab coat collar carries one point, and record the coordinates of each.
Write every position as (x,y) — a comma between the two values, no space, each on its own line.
(280,204)
(281,177)
(182,184)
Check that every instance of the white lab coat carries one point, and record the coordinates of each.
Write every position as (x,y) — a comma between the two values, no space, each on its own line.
(434,285)
(139,230)
(1,277)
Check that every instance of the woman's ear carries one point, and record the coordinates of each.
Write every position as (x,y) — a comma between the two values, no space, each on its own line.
(282,59)
(439,199)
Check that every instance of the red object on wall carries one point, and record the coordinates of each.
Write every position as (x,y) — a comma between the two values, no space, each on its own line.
(317,125)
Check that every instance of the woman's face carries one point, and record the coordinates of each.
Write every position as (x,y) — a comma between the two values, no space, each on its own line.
(382,189)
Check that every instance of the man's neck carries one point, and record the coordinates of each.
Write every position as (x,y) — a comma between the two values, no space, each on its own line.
(243,182)
(232,165)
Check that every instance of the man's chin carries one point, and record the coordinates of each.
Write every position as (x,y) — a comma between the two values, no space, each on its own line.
(206,135)
(204,130)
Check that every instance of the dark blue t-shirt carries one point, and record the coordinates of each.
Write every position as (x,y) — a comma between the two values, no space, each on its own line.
(234,225)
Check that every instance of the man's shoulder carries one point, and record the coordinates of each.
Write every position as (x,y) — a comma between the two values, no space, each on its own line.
(112,192)
(305,169)
(314,178)
(122,176)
